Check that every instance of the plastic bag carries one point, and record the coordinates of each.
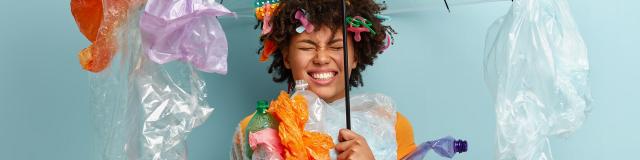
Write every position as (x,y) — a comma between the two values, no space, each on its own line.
(298,143)
(144,110)
(372,116)
(185,30)
(88,15)
(100,28)
(266,144)
(537,68)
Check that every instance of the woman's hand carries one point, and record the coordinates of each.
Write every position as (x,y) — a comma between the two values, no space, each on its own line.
(352,146)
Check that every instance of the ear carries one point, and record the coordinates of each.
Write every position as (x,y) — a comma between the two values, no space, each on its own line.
(285,57)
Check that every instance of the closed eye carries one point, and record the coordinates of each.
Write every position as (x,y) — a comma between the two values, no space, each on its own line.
(306,49)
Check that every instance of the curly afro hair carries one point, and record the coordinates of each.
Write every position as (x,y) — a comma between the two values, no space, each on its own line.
(327,13)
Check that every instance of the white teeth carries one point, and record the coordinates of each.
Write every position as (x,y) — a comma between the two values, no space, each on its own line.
(325,75)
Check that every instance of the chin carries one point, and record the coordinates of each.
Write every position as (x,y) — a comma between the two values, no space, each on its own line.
(327,94)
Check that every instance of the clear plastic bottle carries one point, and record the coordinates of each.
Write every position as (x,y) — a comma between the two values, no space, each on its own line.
(445,147)
(260,120)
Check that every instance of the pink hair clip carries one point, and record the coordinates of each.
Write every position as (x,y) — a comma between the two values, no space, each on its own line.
(301,15)
(356,31)
(357,25)
(389,42)
(266,22)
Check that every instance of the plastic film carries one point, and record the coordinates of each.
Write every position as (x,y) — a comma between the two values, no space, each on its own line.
(144,110)
(537,67)
(298,143)
(185,30)
(99,54)
(372,116)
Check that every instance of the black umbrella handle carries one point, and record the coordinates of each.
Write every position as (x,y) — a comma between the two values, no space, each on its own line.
(346,65)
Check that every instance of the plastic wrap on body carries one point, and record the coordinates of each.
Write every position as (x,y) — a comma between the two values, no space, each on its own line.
(266,144)
(373,116)
(185,30)
(99,20)
(144,110)
(537,68)
(298,143)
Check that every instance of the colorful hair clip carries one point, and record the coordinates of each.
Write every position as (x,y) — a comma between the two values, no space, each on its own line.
(389,42)
(264,11)
(384,18)
(302,16)
(390,39)
(357,25)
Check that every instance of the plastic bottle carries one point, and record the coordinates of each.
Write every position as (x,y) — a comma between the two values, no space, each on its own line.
(260,120)
(445,147)
(301,88)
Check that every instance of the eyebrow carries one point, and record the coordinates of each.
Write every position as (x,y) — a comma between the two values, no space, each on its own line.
(335,40)
(308,41)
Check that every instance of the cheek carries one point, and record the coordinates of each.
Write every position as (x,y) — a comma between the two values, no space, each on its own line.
(298,65)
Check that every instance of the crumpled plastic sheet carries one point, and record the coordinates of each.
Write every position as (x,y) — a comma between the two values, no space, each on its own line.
(266,144)
(537,67)
(88,15)
(298,142)
(372,116)
(144,110)
(99,20)
(185,30)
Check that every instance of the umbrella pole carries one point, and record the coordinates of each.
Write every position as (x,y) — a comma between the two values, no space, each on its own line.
(346,65)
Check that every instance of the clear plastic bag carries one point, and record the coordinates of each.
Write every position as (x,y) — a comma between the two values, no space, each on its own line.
(536,66)
(373,116)
(144,110)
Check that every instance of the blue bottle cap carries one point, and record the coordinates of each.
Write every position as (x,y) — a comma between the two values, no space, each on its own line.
(460,146)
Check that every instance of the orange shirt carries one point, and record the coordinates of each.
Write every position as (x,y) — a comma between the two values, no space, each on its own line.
(404,134)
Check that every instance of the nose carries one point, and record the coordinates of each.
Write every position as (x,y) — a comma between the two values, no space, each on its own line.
(322,57)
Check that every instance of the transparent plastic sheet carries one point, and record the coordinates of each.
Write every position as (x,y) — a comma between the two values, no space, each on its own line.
(372,116)
(185,30)
(144,110)
(537,67)
(237,149)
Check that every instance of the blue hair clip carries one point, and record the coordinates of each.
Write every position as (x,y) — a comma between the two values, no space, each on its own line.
(384,18)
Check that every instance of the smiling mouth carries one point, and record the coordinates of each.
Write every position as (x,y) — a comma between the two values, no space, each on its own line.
(322,75)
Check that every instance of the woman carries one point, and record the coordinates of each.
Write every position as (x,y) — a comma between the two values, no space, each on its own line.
(305,40)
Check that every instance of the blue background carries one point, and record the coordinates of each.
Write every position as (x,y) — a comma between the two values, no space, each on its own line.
(433,73)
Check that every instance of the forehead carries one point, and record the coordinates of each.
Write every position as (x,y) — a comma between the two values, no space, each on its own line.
(321,35)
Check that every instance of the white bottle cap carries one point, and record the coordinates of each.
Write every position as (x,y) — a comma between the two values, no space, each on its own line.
(301,85)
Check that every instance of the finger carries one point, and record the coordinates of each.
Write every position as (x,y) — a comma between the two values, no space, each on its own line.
(346,154)
(345,135)
(345,145)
